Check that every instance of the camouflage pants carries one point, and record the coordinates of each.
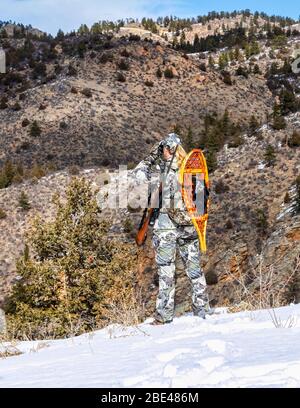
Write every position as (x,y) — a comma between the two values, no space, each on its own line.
(165,242)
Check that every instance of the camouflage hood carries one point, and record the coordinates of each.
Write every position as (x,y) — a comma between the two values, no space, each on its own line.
(172,140)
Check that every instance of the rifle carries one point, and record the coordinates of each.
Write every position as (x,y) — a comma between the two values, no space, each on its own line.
(150,214)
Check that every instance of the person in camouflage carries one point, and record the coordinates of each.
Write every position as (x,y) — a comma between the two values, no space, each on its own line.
(173,229)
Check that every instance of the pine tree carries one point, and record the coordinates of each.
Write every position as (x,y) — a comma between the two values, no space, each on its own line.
(196,43)
(7,174)
(247,51)
(288,101)
(222,61)
(255,49)
(3,102)
(83,29)
(287,68)
(278,118)
(24,201)
(273,69)
(76,274)
(225,123)
(189,139)
(253,125)
(159,73)
(182,39)
(256,70)
(211,160)
(262,221)
(175,42)
(237,54)
(270,156)
(60,35)
(35,129)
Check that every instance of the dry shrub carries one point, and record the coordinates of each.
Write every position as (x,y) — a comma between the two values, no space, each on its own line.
(125,308)
(8,349)
(262,287)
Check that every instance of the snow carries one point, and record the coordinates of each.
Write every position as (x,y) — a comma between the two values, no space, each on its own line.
(290,207)
(226,350)
(261,166)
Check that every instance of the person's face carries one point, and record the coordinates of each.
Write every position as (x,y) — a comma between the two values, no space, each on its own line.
(167,153)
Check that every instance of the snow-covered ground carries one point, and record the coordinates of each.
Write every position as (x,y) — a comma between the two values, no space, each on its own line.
(225,350)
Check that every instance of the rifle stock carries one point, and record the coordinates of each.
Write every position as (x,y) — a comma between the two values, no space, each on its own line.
(143,229)
(148,213)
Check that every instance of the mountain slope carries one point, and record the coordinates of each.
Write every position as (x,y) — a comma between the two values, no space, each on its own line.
(118,120)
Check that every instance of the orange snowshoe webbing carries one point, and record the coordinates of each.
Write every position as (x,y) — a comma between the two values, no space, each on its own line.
(194,167)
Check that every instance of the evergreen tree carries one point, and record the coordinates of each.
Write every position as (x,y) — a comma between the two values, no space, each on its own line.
(189,139)
(222,61)
(270,156)
(278,119)
(241,71)
(247,51)
(159,73)
(182,40)
(60,35)
(237,54)
(175,42)
(288,101)
(76,274)
(23,201)
(255,49)
(297,202)
(196,43)
(211,160)
(83,29)
(3,102)
(287,68)
(225,123)
(294,139)
(273,69)
(262,221)
(253,124)
(9,173)
(81,49)
(35,129)
(256,70)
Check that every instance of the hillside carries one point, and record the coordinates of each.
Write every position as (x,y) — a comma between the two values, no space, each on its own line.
(117,121)
(84,103)
(244,189)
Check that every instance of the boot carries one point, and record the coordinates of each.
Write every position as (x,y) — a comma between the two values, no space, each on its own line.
(203,311)
(159,322)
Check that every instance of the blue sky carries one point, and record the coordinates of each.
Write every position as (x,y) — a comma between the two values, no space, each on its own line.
(50,15)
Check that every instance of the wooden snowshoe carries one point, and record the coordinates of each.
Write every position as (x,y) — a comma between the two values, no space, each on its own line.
(193,177)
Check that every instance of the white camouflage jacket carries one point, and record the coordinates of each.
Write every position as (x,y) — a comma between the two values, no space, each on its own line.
(172,211)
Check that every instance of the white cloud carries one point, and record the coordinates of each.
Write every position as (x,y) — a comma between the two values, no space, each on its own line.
(50,15)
